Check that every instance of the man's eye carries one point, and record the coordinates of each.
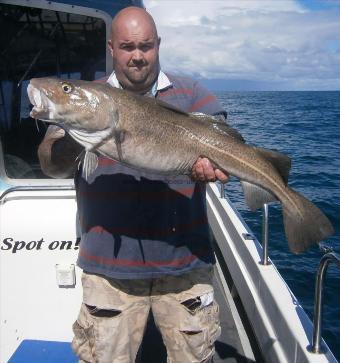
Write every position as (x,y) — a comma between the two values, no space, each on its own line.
(128,48)
(66,87)
(146,47)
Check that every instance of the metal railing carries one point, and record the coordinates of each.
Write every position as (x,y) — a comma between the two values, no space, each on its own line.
(265,234)
(35,188)
(265,229)
(329,257)
(317,321)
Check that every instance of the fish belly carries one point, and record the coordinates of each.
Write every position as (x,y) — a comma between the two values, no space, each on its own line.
(149,157)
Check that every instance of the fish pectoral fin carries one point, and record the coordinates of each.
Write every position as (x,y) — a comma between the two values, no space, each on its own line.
(90,164)
(256,196)
(119,136)
(281,162)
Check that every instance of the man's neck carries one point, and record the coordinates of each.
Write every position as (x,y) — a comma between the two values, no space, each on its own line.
(161,82)
(150,90)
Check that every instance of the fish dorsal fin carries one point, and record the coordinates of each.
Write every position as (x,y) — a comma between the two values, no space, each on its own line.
(219,125)
(162,104)
(170,107)
(225,129)
(256,196)
(281,162)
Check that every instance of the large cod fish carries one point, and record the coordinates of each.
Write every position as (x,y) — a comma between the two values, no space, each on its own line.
(151,135)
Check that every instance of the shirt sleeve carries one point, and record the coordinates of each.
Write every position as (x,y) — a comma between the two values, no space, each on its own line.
(204,101)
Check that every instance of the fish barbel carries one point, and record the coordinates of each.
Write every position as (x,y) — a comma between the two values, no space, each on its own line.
(150,135)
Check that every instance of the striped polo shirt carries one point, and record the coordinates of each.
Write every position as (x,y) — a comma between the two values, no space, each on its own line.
(142,225)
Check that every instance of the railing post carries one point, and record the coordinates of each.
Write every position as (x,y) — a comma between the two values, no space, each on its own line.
(265,231)
(324,262)
(222,190)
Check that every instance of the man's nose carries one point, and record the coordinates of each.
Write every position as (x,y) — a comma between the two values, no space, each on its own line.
(137,56)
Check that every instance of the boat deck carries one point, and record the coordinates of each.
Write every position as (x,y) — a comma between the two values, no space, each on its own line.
(231,347)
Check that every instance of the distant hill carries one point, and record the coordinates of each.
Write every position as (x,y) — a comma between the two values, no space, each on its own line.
(249,85)
(243,85)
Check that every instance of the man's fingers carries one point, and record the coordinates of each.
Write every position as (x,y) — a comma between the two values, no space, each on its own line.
(200,175)
(208,170)
(221,176)
(203,170)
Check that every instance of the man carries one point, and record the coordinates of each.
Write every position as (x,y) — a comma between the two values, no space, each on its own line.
(145,239)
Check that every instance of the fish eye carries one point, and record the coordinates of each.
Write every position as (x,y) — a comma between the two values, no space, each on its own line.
(67,88)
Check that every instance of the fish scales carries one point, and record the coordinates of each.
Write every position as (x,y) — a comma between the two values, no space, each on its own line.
(153,136)
(225,154)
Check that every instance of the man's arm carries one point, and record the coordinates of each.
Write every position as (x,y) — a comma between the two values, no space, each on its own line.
(57,153)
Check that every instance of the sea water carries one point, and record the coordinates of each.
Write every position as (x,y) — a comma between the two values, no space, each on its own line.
(306,127)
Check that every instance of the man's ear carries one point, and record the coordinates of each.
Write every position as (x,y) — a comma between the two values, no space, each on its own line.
(159,41)
(110,46)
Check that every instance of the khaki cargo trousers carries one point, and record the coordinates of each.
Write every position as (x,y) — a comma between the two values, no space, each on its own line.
(114,313)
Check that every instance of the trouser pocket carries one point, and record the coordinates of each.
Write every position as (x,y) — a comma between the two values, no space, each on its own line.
(102,313)
(111,321)
(201,331)
(83,342)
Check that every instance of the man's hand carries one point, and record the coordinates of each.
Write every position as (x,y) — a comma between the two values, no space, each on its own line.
(204,171)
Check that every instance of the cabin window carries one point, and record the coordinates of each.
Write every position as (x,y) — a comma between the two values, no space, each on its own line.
(38,43)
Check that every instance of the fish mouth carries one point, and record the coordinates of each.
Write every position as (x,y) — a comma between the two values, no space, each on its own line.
(43,107)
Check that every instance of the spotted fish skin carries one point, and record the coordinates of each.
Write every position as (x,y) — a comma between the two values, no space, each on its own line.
(152,136)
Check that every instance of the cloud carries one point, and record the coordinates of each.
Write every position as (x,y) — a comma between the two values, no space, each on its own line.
(265,41)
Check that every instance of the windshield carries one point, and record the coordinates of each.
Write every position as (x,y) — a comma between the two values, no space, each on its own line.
(39,43)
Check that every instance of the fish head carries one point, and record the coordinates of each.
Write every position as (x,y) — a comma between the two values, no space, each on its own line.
(71,104)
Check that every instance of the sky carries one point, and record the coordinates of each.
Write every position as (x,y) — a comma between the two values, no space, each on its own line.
(251,44)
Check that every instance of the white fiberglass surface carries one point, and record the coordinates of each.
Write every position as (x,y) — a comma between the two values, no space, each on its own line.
(37,232)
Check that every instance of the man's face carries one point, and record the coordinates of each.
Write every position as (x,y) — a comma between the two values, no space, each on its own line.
(134,50)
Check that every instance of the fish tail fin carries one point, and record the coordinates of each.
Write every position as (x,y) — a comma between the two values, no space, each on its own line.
(305,224)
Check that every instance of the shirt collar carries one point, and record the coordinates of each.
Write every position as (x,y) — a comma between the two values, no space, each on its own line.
(161,84)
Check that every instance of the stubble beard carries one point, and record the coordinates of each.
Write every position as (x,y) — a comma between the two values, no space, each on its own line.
(142,79)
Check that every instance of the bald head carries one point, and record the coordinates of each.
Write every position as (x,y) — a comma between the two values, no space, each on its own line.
(134,48)
(133,16)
